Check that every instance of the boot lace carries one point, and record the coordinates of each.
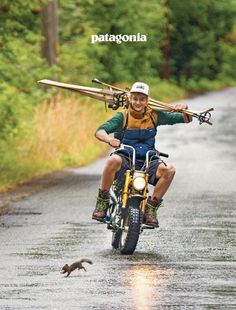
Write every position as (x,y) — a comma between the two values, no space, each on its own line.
(102,203)
(153,210)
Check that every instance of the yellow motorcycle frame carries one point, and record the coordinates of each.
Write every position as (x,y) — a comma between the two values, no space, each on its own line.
(128,204)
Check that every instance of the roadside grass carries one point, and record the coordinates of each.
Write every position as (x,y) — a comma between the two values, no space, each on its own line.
(61,134)
(64,132)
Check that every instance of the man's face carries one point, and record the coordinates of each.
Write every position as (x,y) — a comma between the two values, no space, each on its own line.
(138,101)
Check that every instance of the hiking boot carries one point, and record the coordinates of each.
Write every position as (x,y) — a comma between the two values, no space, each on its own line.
(150,212)
(102,205)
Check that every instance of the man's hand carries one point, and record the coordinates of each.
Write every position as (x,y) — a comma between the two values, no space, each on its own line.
(179,107)
(114,142)
(104,137)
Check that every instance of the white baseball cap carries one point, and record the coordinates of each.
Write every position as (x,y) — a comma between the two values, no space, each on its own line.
(140,87)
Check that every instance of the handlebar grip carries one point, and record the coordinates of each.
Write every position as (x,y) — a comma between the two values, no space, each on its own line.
(163,154)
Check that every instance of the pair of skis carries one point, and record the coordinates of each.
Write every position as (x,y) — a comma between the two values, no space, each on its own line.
(116,97)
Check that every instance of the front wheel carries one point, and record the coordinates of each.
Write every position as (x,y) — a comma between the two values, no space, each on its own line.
(116,235)
(131,228)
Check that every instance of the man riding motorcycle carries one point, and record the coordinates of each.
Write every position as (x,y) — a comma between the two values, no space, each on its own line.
(137,126)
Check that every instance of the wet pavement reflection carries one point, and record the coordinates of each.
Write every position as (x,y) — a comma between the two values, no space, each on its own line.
(147,283)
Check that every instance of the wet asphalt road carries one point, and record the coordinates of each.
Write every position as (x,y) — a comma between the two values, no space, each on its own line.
(188,263)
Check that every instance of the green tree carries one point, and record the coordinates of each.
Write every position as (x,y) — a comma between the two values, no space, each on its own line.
(198,28)
(20,63)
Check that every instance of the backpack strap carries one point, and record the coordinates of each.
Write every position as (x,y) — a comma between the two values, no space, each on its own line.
(153,120)
(125,126)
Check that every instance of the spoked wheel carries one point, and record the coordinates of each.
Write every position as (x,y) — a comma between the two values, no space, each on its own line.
(131,228)
(116,211)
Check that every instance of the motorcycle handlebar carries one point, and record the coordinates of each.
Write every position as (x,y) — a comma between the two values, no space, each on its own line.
(149,154)
(123,146)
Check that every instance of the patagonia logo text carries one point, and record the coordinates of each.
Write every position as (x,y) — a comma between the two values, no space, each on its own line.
(118,38)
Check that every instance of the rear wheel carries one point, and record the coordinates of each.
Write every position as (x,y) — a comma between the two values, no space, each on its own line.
(131,228)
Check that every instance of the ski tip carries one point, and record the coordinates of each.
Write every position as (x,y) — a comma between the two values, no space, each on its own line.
(45,81)
(95,80)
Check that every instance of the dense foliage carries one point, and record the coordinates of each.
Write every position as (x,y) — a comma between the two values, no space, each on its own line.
(20,63)
(201,44)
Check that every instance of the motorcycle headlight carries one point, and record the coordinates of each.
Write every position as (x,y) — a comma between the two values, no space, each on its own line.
(139,183)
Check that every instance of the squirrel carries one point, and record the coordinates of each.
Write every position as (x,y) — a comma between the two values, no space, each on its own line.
(77,265)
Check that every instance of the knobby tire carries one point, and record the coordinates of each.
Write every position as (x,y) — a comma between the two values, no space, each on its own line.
(133,222)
